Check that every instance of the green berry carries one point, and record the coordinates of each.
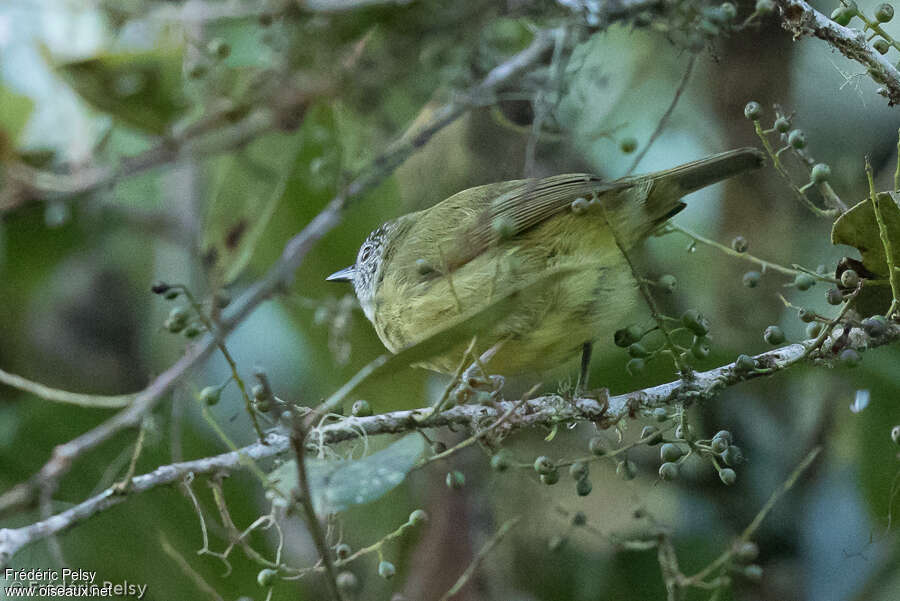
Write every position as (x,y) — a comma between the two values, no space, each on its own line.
(171,294)
(638,350)
(773,335)
(747,552)
(347,581)
(386,570)
(667,283)
(751,279)
(192,331)
(719,445)
(361,408)
(500,461)
(841,16)
(740,244)
(807,316)
(595,445)
(782,125)
(418,517)
(578,470)
(752,110)
(342,551)
(764,7)
(455,480)
(728,12)
(219,48)
(804,281)
(700,349)
(725,435)
(834,296)
(733,455)
(551,478)
(651,435)
(209,396)
(744,363)
(543,465)
(884,13)
(266,577)
(670,452)
(813,330)
(668,471)
(628,336)
(797,139)
(820,173)
(584,487)
(178,314)
(628,145)
(728,476)
(881,46)
(875,326)
(579,519)
(627,470)
(694,321)
(849,279)
(895,435)
(635,366)
(850,357)
(753,572)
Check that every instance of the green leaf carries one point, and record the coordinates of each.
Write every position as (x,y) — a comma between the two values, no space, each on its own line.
(338,484)
(15,110)
(141,89)
(858,228)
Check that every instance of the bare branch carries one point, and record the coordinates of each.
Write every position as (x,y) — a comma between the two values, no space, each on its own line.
(801,19)
(516,415)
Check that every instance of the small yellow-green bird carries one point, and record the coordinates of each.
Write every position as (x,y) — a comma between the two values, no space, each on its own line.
(419,272)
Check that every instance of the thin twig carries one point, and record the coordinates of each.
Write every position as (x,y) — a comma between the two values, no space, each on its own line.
(664,120)
(479,557)
(304,497)
(64,396)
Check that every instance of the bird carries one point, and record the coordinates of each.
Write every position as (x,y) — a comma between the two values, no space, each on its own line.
(417,273)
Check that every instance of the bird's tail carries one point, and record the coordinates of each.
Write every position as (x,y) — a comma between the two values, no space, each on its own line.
(659,194)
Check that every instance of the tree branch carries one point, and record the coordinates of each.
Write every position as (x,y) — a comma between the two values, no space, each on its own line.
(801,19)
(278,278)
(543,411)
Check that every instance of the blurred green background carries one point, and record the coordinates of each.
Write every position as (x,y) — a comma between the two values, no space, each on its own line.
(76,311)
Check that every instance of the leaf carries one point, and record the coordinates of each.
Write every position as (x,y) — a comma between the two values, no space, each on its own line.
(858,228)
(338,484)
(141,89)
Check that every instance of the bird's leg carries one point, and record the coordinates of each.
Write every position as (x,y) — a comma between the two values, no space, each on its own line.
(586,350)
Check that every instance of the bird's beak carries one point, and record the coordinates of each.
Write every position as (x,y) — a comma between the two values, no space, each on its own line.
(344,275)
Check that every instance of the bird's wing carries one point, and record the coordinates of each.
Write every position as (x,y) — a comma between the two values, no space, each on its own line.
(525,205)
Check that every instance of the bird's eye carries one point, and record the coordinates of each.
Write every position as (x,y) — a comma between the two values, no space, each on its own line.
(366,253)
